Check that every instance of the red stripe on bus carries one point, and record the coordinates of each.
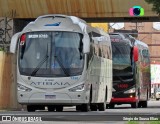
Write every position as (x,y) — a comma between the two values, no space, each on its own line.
(133,99)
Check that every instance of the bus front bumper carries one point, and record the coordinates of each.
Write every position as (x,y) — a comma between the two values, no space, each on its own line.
(124,100)
(51,98)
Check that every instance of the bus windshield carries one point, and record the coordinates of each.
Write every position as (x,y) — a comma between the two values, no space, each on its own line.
(121,53)
(51,54)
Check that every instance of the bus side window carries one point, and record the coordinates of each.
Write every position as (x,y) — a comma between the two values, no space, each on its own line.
(148,61)
(109,53)
(91,46)
(106,51)
(140,56)
(91,53)
(97,50)
(100,50)
(103,50)
(145,55)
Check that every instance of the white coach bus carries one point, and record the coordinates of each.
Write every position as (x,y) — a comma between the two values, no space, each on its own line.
(62,61)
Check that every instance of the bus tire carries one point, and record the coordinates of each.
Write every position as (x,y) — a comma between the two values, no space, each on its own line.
(139,104)
(51,108)
(59,108)
(78,108)
(134,105)
(111,106)
(102,106)
(85,107)
(31,108)
(144,104)
(93,107)
(107,106)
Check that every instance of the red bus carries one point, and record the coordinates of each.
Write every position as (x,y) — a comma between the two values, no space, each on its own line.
(131,71)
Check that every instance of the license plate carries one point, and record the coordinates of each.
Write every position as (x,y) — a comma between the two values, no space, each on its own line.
(50,96)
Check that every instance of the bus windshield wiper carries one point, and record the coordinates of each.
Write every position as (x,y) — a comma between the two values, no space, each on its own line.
(62,66)
(39,65)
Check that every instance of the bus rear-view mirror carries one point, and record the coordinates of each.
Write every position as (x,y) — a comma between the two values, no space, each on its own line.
(14,41)
(86,43)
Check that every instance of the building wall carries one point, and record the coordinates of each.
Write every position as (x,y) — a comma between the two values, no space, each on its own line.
(8,96)
(148,35)
(6,32)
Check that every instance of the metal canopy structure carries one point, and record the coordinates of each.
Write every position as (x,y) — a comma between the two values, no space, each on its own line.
(97,10)
(17,13)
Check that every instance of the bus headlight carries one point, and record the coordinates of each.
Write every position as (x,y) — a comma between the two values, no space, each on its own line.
(20,87)
(130,90)
(77,88)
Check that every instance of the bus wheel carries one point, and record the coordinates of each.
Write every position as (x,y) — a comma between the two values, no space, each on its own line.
(144,104)
(85,107)
(102,106)
(59,108)
(139,104)
(107,106)
(93,107)
(78,108)
(51,108)
(31,108)
(111,106)
(134,105)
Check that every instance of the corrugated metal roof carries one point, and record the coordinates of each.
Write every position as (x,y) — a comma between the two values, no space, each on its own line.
(80,8)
